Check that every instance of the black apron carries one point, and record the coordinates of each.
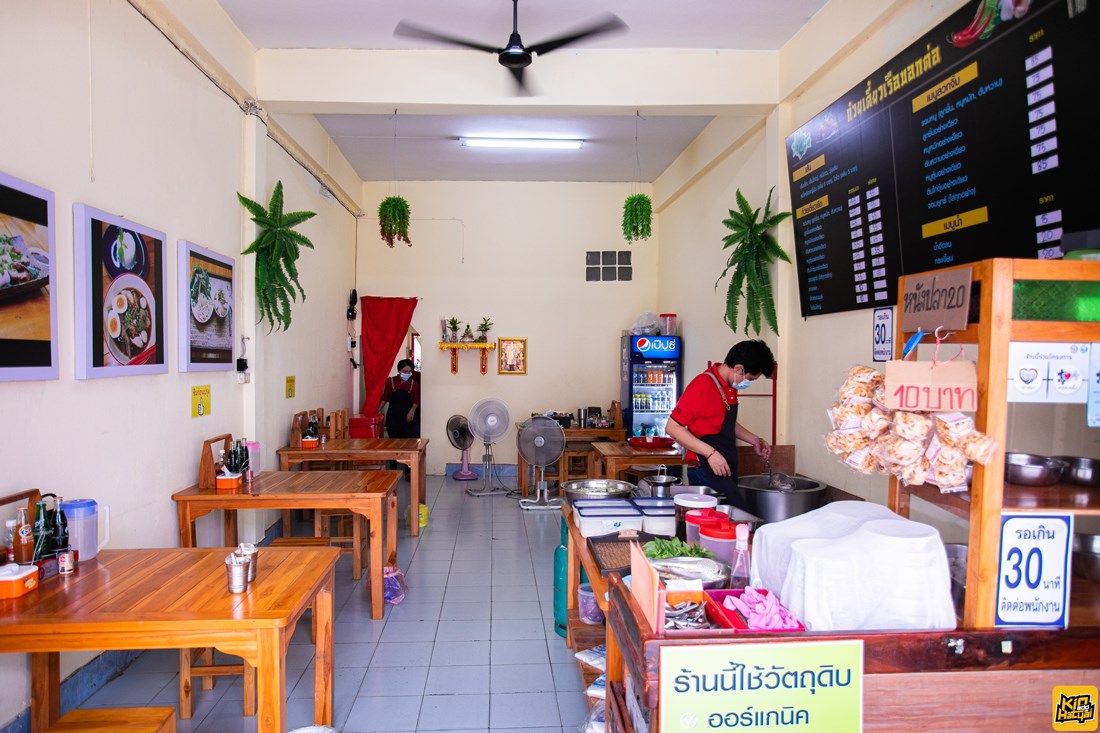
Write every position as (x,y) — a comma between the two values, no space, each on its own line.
(725,442)
(397,423)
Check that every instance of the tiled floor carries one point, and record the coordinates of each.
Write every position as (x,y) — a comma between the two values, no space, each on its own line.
(471,649)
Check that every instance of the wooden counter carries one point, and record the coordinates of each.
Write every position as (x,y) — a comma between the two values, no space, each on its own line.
(950,681)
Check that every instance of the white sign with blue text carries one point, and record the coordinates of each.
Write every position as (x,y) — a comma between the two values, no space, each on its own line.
(882,339)
(1033,578)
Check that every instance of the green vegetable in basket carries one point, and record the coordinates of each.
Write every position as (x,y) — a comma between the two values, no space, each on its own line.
(674,547)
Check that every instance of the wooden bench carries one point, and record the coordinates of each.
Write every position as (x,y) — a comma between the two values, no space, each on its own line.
(116,720)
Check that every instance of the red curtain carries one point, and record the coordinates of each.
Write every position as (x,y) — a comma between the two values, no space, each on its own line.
(385,326)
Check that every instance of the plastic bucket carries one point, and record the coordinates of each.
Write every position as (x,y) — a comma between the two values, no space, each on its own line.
(667,323)
(587,608)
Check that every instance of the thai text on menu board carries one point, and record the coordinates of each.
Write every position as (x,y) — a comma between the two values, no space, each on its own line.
(960,149)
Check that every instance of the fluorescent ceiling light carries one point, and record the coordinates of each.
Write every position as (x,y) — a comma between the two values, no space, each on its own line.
(513,142)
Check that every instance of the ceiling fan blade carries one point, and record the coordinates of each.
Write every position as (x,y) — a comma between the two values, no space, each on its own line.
(408,30)
(609,23)
(521,85)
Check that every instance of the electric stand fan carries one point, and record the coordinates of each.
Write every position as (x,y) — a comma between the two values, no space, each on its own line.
(541,442)
(490,419)
(458,432)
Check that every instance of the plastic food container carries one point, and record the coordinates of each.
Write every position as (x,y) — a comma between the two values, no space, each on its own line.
(685,503)
(605,520)
(654,502)
(696,518)
(601,503)
(719,539)
(660,521)
(735,619)
(310,443)
(667,323)
(587,608)
(17,580)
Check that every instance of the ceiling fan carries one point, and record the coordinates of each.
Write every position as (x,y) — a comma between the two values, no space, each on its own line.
(515,56)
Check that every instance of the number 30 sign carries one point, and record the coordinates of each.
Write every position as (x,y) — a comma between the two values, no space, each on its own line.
(1033,582)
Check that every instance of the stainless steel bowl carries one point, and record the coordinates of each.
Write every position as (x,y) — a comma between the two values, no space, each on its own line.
(705,490)
(956,560)
(596,488)
(1032,470)
(1083,471)
(1086,556)
(774,505)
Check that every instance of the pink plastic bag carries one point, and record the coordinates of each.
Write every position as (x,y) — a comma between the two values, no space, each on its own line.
(393,585)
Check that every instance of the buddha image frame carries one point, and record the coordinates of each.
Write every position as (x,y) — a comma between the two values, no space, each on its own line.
(511,355)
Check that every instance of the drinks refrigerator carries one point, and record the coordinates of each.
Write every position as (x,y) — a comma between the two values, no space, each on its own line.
(651,377)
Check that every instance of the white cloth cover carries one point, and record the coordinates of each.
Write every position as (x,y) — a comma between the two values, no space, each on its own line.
(855,565)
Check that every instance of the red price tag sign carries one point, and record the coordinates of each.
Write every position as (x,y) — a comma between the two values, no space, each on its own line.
(926,387)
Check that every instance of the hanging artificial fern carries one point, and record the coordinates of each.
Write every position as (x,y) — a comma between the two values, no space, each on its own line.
(276,250)
(637,217)
(393,220)
(755,248)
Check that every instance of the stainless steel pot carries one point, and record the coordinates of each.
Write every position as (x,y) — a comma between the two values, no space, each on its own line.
(659,484)
(773,505)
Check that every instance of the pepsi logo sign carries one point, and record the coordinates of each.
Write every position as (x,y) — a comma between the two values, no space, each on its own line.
(643,344)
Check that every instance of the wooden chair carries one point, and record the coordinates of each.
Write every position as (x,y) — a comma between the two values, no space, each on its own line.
(117,720)
(577,462)
(200,663)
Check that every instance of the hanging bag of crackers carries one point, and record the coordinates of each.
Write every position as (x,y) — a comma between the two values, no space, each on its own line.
(910,422)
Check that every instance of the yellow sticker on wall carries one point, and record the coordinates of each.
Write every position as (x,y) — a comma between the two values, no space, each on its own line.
(289,387)
(1074,708)
(200,400)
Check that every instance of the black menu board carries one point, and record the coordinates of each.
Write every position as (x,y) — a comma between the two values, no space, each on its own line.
(957,150)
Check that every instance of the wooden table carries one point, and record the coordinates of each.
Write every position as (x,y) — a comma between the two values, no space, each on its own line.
(614,458)
(411,452)
(365,493)
(178,599)
(591,435)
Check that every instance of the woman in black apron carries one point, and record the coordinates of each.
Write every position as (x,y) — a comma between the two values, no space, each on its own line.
(704,420)
(402,392)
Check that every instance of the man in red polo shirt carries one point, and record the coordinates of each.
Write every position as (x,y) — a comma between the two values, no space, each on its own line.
(704,421)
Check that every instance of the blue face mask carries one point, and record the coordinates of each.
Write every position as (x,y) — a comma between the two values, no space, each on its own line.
(743,384)
(405,376)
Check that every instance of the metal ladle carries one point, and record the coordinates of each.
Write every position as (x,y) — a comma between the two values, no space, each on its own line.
(778,481)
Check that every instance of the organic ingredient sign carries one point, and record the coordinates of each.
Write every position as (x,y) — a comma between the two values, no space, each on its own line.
(200,400)
(795,686)
(1033,581)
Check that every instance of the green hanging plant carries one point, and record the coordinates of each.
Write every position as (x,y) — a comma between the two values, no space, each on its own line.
(393,220)
(755,248)
(276,249)
(637,217)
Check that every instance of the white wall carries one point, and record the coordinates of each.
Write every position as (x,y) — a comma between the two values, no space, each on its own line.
(141,133)
(513,252)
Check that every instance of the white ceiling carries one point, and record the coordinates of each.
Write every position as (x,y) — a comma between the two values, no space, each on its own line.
(426,146)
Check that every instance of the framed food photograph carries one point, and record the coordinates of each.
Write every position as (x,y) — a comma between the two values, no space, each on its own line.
(205,286)
(120,295)
(28,290)
(511,355)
